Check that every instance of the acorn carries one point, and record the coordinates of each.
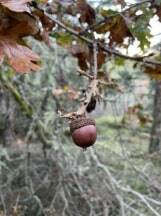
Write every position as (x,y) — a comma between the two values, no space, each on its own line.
(83,132)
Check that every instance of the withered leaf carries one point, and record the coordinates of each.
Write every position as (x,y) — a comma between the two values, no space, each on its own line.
(118,29)
(17,29)
(81,53)
(110,18)
(31,27)
(16,5)
(13,27)
(86,11)
(71,9)
(158,8)
(101,57)
(47,25)
(153,72)
(20,57)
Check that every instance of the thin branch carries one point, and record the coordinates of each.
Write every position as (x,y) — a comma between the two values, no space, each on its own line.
(91,27)
(102,46)
(117,186)
(92,88)
(95,64)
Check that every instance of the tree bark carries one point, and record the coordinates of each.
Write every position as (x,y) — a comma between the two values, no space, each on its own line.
(155,141)
(6,115)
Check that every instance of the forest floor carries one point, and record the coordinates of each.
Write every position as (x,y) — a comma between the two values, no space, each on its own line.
(53,184)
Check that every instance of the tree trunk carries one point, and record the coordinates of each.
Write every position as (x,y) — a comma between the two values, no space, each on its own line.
(155,141)
(6,132)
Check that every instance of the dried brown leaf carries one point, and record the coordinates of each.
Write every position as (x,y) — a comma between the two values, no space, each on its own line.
(119,31)
(47,25)
(20,57)
(13,27)
(87,12)
(159,12)
(16,5)
(81,53)
(101,57)
(153,72)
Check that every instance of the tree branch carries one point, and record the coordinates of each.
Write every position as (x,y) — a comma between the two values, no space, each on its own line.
(91,27)
(102,46)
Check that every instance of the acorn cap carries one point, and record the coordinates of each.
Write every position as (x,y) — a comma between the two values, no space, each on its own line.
(80,122)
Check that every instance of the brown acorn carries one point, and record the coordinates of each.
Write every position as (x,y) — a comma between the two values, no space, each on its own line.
(83,131)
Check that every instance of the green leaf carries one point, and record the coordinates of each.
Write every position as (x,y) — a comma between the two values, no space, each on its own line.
(64,39)
(109,12)
(140,29)
(119,61)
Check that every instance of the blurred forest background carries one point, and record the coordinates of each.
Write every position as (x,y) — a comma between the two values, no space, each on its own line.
(42,172)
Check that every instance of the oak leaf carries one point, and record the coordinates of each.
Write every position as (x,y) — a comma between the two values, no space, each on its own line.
(12,46)
(20,57)
(47,25)
(13,27)
(16,5)
(81,53)
(118,30)
(87,12)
